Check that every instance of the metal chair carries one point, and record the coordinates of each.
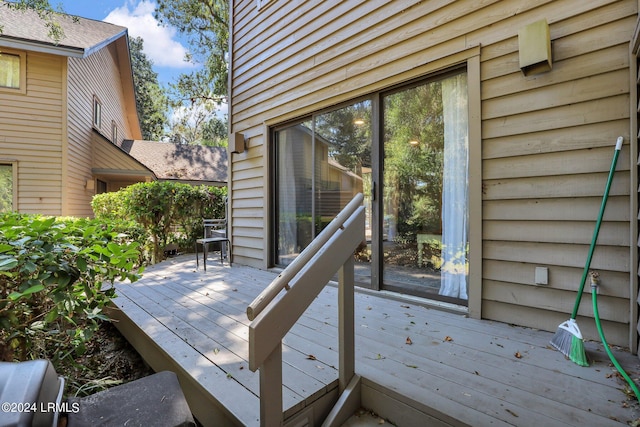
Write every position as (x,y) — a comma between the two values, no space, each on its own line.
(215,231)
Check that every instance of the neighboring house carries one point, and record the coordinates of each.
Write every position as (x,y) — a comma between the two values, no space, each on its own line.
(190,164)
(482,176)
(64,109)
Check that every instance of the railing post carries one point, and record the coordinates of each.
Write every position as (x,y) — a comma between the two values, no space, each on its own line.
(271,389)
(346,338)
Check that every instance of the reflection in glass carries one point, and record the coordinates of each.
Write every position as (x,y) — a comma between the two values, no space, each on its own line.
(294,175)
(6,188)
(425,200)
(321,164)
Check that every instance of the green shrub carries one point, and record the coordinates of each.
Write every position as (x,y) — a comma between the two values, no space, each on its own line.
(160,206)
(111,205)
(52,282)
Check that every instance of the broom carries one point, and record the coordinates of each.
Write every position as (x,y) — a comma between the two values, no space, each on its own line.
(568,339)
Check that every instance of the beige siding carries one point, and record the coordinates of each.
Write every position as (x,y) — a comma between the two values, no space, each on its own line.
(31,134)
(547,140)
(96,75)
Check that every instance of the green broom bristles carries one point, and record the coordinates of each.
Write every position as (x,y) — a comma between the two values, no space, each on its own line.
(578,355)
(568,340)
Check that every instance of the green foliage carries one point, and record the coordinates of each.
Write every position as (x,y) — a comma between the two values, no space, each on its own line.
(205,24)
(53,274)
(195,96)
(151,100)
(111,205)
(198,124)
(350,143)
(160,205)
(413,174)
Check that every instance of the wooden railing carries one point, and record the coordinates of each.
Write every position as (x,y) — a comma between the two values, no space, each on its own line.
(330,252)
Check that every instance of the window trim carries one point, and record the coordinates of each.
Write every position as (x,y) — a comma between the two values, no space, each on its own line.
(22,89)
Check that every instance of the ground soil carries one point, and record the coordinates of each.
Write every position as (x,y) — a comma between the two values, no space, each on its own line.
(109,361)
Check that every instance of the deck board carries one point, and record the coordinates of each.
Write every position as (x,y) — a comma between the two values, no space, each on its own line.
(487,373)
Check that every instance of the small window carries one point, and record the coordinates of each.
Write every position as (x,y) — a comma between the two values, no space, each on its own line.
(114,132)
(102,187)
(13,71)
(6,187)
(97,113)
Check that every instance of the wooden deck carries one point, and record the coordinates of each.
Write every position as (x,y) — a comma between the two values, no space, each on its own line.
(420,366)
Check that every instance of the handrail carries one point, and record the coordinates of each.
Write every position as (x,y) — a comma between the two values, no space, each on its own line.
(331,252)
(283,279)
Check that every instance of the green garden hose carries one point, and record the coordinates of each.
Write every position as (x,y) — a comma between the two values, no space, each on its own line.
(594,299)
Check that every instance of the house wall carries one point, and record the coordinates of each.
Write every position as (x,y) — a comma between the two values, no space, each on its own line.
(31,135)
(96,75)
(546,140)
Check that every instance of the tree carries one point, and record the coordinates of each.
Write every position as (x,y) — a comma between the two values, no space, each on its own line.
(414,174)
(215,133)
(196,96)
(198,124)
(151,99)
(205,23)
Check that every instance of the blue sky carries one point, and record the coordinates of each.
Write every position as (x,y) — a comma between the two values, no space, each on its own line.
(161,44)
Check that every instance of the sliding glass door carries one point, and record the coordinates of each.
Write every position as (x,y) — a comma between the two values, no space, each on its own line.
(406,150)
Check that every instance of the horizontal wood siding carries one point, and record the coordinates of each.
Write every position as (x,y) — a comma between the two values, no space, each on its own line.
(106,155)
(547,140)
(31,134)
(547,147)
(99,75)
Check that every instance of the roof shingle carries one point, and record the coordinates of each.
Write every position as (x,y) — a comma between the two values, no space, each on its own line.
(81,35)
(180,162)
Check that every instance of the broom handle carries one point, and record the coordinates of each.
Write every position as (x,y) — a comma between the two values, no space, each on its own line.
(597,229)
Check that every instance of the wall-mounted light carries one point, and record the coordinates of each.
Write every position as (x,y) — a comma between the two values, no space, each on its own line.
(237,142)
(534,44)
(90,184)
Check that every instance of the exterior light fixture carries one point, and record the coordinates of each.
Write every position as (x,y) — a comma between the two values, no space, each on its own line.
(534,42)
(237,143)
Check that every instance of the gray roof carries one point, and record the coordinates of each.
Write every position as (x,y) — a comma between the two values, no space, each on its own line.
(24,29)
(180,162)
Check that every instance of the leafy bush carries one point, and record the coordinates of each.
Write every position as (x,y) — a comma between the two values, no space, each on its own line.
(52,282)
(159,206)
(111,205)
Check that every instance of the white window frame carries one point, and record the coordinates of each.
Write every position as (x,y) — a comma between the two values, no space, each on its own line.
(97,113)
(22,88)
(114,132)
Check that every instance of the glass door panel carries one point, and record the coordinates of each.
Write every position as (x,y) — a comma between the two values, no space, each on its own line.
(343,169)
(294,175)
(425,208)
(321,164)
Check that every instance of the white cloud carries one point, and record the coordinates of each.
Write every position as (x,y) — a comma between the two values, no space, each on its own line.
(159,42)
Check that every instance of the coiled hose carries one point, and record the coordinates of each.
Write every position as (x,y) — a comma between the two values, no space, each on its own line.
(594,298)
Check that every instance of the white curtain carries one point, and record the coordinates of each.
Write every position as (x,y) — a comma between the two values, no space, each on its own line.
(287,200)
(9,70)
(455,195)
